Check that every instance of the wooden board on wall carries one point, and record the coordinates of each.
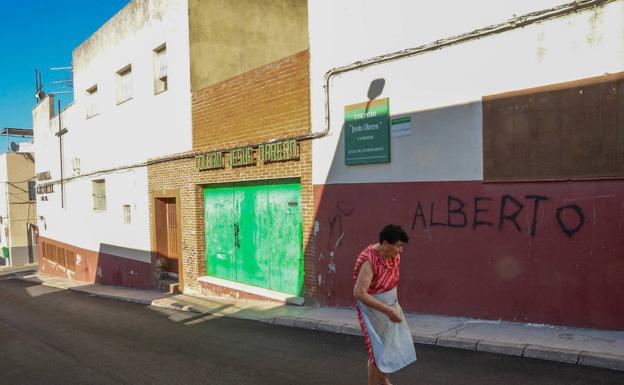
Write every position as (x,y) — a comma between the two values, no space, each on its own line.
(571,130)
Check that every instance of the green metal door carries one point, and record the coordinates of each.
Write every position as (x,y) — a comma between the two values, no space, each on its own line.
(284,235)
(219,217)
(254,234)
(252,263)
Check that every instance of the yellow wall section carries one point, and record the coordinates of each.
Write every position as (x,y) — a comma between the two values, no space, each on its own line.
(20,170)
(228,38)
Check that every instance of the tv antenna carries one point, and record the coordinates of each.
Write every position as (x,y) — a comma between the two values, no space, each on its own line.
(68,84)
(39,94)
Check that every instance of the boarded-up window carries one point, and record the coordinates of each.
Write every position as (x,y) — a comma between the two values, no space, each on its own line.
(52,253)
(60,256)
(70,258)
(563,131)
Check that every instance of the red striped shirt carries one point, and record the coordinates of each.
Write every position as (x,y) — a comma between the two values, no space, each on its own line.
(385,277)
(385,271)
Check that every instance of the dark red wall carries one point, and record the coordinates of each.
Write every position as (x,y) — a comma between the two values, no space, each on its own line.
(554,255)
(114,270)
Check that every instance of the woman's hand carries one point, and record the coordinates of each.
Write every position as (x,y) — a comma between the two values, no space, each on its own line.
(394,315)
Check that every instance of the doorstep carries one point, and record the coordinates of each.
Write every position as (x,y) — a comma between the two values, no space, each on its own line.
(213,286)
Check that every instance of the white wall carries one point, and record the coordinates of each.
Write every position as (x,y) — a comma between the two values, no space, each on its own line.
(123,134)
(442,89)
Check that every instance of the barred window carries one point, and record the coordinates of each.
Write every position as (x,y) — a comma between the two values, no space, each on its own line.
(126,214)
(99,195)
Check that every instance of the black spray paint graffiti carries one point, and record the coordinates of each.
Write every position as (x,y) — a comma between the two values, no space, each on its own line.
(509,209)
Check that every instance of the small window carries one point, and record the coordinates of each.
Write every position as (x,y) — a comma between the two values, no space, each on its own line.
(126,214)
(160,69)
(124,84)
(32,196)
(99,195)
(91,99)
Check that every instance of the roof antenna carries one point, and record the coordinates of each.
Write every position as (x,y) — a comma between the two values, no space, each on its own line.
(68,84)
(39,94)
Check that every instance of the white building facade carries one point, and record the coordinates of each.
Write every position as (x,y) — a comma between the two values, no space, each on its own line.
(495,142)
(132,103)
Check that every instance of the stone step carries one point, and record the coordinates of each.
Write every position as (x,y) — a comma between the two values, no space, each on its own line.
(169,286)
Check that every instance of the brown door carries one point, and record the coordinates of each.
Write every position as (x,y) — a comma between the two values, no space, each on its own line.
(168,232)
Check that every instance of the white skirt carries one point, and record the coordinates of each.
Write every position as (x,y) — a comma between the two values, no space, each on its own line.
(392,342)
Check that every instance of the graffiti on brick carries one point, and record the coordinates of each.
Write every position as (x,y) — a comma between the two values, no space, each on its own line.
(484,211)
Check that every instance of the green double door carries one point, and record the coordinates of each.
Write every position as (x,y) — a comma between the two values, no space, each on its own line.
(254,235)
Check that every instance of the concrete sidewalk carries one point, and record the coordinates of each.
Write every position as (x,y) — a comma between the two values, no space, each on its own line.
(601,348)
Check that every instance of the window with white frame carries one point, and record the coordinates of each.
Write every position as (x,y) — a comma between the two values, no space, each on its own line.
(124,84)
(92,101)
(160,69)
(126,214)
(99,195)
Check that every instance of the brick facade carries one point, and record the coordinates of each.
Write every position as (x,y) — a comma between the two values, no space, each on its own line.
(267,103)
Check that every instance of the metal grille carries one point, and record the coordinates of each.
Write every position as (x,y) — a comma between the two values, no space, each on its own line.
(126,214)
(99,195)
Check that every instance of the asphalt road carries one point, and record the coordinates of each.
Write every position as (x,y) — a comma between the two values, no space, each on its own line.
(50,336)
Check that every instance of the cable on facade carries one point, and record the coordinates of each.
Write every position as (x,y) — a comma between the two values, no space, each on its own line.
(511,24)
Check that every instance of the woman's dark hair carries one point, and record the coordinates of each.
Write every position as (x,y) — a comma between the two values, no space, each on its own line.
(392,234)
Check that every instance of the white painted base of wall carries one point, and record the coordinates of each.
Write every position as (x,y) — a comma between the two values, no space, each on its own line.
(288,298)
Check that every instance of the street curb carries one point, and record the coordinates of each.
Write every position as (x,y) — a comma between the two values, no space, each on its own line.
(459,343)
(114,297)
(600,360)
(552,354)
(16,274)
(508,349)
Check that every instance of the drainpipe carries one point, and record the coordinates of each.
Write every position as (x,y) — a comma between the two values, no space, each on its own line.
(514,23)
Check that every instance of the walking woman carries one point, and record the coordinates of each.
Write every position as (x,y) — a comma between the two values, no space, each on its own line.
(386,333)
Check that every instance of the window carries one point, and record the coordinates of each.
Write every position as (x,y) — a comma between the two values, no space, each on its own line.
(32,196)
(91,100)
(99,195)
(70,258)
(124,84)
(160,69)
(126,214)
(60,256)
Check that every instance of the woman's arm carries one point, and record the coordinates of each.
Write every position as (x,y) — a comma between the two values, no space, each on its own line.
(360,291)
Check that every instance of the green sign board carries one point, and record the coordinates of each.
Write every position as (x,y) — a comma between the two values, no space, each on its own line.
(367,132)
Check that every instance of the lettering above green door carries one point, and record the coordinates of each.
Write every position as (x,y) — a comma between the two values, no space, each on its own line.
(249,156)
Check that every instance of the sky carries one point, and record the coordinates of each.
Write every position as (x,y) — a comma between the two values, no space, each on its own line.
(42,34)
